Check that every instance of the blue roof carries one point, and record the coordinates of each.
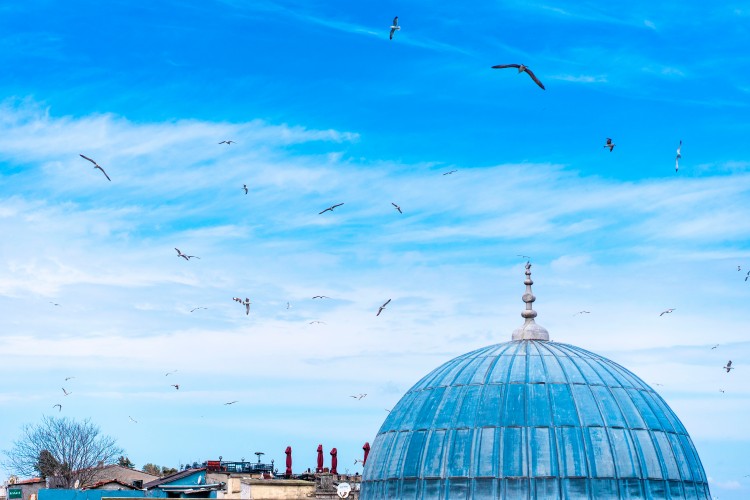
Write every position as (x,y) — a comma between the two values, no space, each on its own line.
(532,419)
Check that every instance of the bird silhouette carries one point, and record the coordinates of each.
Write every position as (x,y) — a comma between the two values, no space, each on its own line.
(449,173)
(714,347)
(184,256)
(96,165)
(176,386)
(196,308)
(244,186)
(132,419)
(245,303)
(330,209)
(66,392)
(666,312)
(397,208)
(321,297)
(677,158)
(230,403)
(729,366)
(610,144)
(59,407)
(228,142)
(521,69)
(380,310)
(394,27)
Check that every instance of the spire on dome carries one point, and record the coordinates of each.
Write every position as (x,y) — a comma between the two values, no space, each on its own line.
(530,330)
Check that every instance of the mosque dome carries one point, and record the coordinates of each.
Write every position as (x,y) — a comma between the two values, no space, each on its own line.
(531,419)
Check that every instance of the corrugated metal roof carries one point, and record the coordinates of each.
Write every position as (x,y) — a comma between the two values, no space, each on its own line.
(532,419)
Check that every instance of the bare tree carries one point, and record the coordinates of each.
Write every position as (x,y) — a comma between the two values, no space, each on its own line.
(63,448)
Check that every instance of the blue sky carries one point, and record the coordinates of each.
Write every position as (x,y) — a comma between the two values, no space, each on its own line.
(325,109)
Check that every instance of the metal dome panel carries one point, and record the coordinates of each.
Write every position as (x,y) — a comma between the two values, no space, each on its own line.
(532,419)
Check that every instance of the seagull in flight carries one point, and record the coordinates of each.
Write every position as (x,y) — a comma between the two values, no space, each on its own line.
(359,461)
(59,407)
(397,207)
(610,144)
(714,347)
(394,27)
(729,366)
(321,297)
(748,276)
(132,419)
(524,256)
(382,307)
(66,392)
(358,396)
(54,303)
(721,391)
(196,308)
(330,208)
(245,303)
(666,312)
(582,312)
(96,165)
(244,186)
(677,158)
(449,173)
(228,142)
(184,256)
(317,323)
(176,386)
(170,373)
(521,68)
(230,403)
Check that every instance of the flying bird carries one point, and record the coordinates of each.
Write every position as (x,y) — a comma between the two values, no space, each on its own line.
(714,347)
(132,419)
(666,312)
(227,142)
(521,68)
(358,396)
(321,297)
(359,461)
(176,386)
(245,303)
(59,407)
(68,378)
(582,312)
(317,323)
(449,173)
(66,392)
(244,186)
(677,158)
(524,256)
(230,403)
(739,269)
(721,391)
(54,303)
(196,308)
(382,307)
(96,165)
(729,366)
(170,373)
(288,305)
(394,27)
(184,256)
(748,276)
(397,208)
(330,208)
(610,144)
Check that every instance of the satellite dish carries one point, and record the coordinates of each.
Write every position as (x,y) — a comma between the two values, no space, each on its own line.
(343,490)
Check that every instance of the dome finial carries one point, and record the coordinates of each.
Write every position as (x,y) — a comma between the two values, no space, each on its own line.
(530,330)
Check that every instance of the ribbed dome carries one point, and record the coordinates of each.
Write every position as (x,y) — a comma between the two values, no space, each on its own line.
(532,419)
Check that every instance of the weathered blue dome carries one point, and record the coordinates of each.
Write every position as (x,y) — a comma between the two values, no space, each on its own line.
(532,419)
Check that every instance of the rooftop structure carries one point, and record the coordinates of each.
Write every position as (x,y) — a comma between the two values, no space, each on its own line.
(531,419)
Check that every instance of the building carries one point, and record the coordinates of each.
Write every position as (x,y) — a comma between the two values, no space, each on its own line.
(530,419)
(27,489)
